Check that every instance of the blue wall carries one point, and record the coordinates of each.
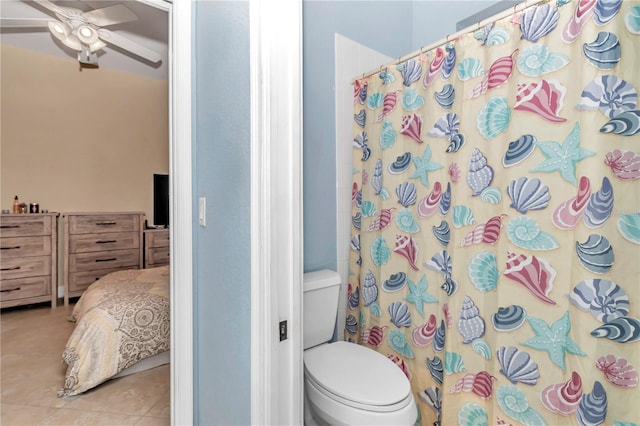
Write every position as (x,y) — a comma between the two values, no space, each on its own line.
(222,250)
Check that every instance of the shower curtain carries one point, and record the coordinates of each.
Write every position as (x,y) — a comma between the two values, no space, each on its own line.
(495,251)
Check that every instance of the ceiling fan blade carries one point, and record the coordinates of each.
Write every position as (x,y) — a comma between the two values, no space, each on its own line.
(53,8)
(115,39)
(110,15)
(42,23)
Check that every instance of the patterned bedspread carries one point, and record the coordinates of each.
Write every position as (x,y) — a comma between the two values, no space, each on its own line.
(121,319)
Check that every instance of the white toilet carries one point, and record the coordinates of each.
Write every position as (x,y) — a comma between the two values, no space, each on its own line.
(346,383)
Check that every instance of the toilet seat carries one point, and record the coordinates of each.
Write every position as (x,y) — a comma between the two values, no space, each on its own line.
(357,376)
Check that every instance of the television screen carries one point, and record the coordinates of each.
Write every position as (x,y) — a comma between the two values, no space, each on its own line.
(161,200)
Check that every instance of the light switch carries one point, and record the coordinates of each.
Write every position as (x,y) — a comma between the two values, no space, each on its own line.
(202,211)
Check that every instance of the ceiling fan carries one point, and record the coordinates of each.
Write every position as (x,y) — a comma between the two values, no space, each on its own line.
(84,32)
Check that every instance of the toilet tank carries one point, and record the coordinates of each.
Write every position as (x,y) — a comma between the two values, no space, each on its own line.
(320,306)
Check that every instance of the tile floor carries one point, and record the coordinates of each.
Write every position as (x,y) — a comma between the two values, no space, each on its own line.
(31,343)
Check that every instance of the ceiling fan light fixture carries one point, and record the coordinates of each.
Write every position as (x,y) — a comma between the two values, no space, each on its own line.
(59,29)
(87,35)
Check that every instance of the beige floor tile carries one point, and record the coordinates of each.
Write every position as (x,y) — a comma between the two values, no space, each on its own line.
(154,421)
(24,415)
(68,417)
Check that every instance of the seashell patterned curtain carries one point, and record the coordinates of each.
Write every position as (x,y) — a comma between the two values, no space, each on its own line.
(496,219)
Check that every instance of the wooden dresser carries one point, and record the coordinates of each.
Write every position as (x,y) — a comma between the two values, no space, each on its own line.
(97,244)
(28,259)
(156,247)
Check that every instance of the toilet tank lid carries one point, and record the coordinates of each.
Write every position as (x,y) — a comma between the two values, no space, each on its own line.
(320,279)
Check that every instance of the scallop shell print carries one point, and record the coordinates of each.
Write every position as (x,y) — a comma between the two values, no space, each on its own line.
(632,20)
(517,366)
(629,227)
(533,273)
(563,398)
(360,118)
(515,405)
(470,68)
(454,172)
(604,299)
(508,318)
(400,315)
(545,98)
(483,271)
(595,254)
(537,60)
(379,251)
(472,415)
(480,384)
(528,194)
(625,165)
(623,124)
(470,325)
(493,118)
(519,150)
(480,173)
(449,62)
(610,94)
(406,222)
(604,52)
(618,371)
(406,193)
(538,22)
(410,71)
(600,205)
(525,233)
(621,330)
(592,409)
(387,135)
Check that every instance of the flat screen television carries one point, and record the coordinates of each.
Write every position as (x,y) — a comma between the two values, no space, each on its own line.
(161,200)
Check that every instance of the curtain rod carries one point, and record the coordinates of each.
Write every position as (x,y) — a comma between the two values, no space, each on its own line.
(511,11)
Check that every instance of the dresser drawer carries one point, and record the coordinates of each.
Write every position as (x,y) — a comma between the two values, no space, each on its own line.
(80,281)
(83,243)
(25,246)
(104,260)
(88,224)
(157,256)
(156,238)
(25,225)
(23,288)
(12,268)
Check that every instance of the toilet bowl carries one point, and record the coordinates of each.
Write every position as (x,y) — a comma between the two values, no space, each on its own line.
(349,384)
(346,383)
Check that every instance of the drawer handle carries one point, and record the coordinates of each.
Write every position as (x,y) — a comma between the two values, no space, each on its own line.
(10,248)
(105,241)
(111,259)
(10,289)
(106,223)
(15,268)
(9,226)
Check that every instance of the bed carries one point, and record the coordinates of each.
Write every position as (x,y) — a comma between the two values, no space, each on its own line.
(122,326)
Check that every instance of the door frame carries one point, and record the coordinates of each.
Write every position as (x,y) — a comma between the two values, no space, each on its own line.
(276,212)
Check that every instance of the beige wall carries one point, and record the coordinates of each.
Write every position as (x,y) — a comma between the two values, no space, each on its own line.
(79,140)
